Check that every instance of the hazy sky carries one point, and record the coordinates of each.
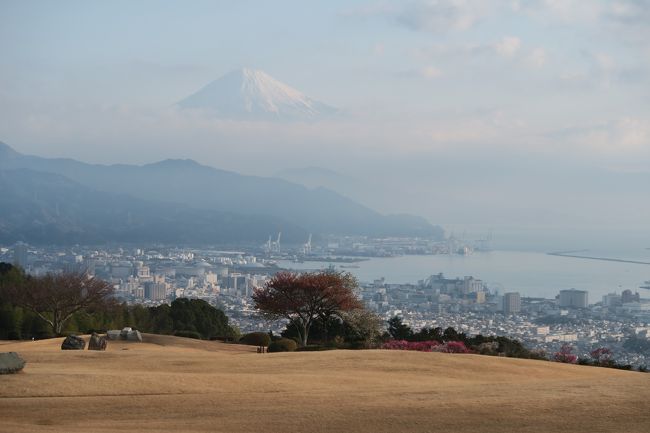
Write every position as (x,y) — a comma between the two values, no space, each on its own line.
(479,111)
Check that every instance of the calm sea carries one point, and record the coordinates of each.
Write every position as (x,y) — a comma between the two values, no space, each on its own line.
(530,273)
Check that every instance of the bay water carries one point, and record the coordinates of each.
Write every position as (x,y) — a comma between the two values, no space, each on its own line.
(534,274)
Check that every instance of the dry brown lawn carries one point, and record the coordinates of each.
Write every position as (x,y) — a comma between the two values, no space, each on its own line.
(169,384)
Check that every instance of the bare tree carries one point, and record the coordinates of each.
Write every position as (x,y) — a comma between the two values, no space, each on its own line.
(55,298)
(303,298)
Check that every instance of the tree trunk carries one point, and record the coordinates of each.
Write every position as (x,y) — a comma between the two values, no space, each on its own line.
(58,328)
(305,334)
(326,328)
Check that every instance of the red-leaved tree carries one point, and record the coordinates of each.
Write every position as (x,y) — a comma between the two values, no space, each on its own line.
(304,298)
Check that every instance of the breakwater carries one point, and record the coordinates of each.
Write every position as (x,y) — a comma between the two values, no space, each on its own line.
(573,254)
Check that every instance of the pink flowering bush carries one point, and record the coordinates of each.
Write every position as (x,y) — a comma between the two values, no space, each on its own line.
(455,347)
(565,355)
(420,346)
(427,346)
(602,356)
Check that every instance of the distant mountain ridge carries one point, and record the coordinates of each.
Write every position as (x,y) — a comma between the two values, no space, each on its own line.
(248,94)
(222,195)
(46,208)
(314,177)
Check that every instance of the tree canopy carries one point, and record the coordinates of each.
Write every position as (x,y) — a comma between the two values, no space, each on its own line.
(199,316)
(56,298)
(306,297)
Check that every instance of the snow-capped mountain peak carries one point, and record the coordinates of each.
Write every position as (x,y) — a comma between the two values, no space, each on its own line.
(251,94)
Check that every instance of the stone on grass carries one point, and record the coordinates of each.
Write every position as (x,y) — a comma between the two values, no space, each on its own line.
(125,333)
(72,342)
(134,336)
(97,342)
(10,362)
(128,334)
(113,334)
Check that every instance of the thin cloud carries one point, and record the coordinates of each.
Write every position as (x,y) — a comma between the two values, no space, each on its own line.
(537,57)
(508,46)
(438,16)
(432,16)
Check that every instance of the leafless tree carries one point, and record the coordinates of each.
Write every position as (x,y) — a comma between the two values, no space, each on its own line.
(55,298)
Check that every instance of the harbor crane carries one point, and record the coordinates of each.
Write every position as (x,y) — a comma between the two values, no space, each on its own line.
(306,249)
(273,246)
(485,244)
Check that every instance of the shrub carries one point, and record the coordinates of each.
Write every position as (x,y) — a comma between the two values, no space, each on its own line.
(188,334)
(315,348)
(488,348)
(283,345)
(622,366)
(602,356)
(420,346)
(256,339)
(454,347)
(565,355)
(354,345)
(14,334)
(427,346)
(539,354)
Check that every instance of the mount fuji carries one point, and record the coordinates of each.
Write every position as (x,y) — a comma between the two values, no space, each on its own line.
(248,94)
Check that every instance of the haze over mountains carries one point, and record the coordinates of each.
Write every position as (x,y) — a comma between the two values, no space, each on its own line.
(63,200)
(248,94)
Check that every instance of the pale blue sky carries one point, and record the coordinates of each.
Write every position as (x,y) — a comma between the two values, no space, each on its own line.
(446,84)
(149,52)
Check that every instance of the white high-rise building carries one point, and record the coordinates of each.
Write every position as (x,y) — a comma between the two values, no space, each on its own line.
(20,255)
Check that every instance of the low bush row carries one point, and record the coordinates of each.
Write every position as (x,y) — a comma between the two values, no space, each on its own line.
(282,345)
(260,339)
(427,346)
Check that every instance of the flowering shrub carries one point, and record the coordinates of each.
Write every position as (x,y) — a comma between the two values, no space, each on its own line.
(455,347)
(602,356)
(565,355)
(420,346)
(427,346)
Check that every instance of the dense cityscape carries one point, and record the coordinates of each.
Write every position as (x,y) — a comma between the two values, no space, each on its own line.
(227,278)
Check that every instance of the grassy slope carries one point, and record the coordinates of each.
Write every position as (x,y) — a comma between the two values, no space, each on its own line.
(174,385)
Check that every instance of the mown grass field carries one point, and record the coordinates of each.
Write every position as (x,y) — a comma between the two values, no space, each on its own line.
(170,384)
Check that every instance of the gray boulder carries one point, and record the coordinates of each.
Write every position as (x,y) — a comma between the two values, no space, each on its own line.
(134,336)
(125,333)
(72,342)
(97,342)
(114,334)
(128,334)
(10,362)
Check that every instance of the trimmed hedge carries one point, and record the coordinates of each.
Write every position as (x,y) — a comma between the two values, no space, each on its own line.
(188,334)
(315,348)
(283,345)
(256,339)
